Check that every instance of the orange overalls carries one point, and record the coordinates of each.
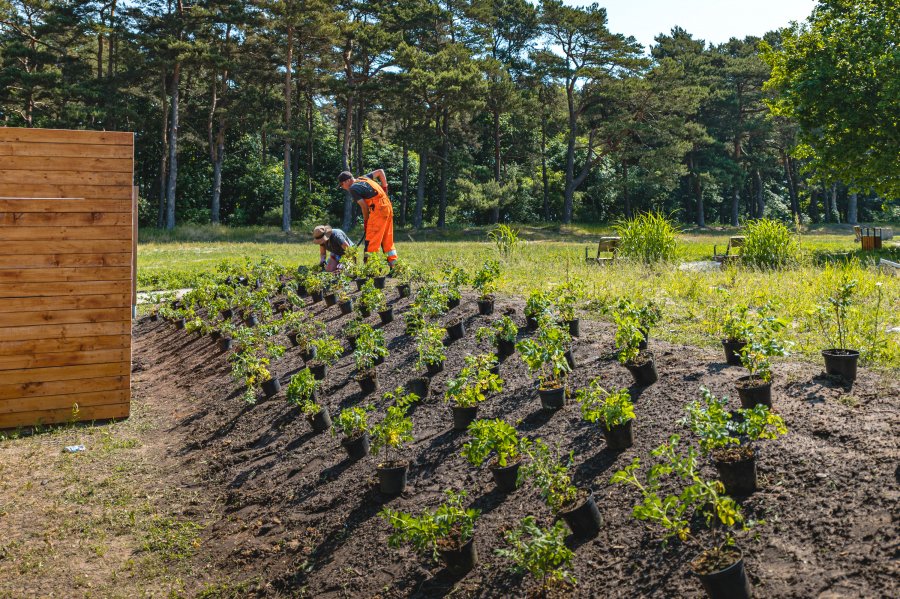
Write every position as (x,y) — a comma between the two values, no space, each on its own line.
(379,228)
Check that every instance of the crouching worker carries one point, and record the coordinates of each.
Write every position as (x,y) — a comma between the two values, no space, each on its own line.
(334,241)
(377,211)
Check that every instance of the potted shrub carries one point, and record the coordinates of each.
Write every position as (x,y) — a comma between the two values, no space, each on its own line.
(405,275)
(729,441)
(647,315)
(537,305)
(446,533)
(736,326)
(499,438)
(376,268)
(291,322)
(543,554)
(402,398)
(567,297)
(454,279)
(720,564)
(502,335)
(370,350)
(471,387)
(414,320)
(353,329)
(839,360)
(764,343)
(303,334)
(328,351)
(432,299)
(430,345)
(226,337)
(344,301)
(389,436)
(315,285)
(301,392)
(485,283)
(628,341)
(456,328)
(545,357)
(370,300)
(576,506)
(613,411)
(253,370)
(354,424)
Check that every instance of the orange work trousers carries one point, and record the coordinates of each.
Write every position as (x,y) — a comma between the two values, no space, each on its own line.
(380,231)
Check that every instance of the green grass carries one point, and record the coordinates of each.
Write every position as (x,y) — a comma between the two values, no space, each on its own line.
(553,254)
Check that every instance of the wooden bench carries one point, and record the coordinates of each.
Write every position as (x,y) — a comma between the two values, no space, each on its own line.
(734,243)
(606,245)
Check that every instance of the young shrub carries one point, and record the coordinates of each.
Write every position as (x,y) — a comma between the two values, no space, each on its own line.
(371,299)
(370,346)
(432,299)
(353,422)
(836,306)
(485,280)
(502,329)
(301,392)
(496,437)
(567,297)
(375,265)
(328,350)
(628,337)
(609,409)
(545,355)
(354,328)
(769,244)
(449,527)
(550,475)
(764,343)
(538,304)
(474,382)
(400,398)
(414,320)
(649,237)
(647,313)
(505,238)
(541,553)
(430,345)
(737,325)
(390,435)
(454,279)
(315,282)
(252,370)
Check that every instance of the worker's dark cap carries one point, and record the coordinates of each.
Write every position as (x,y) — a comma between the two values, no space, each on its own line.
(344,176)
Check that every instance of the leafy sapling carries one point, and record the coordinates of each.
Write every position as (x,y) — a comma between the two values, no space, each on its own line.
(474,382)
(486,278)
(551,475)
(494,437)
(609,409)
(301,392)
(353,422)
(541,553)
(430,345)
(764,343)
(545,355)
(390,435)
(449,527)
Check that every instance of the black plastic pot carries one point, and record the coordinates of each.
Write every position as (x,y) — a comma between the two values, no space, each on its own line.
(180,323)
(346,306)
(506,477)
(379,282)
(309,355)
(404,290)
(154,317)
(318,370)
(364,312)
(570,358)
(453,303)
(271,387)
(552,399)
(359,283)
(759,393)
(215,335)
(386,316)
(457,330)
(619,437)
(574,327)
(841,362)
(420,386)
(644,374)
(728,583)
(293,339)
(227,313)
(643,344)
(531,323)
(505,348)
(252,320)
(739,478)
(461,560)
(733,351)
(379,361)
(358,447)
(463,417)
(301,291)
(320,421)
(368,382)
(486,306)
(225,343)
(392,481)
(584,520)
(316,297)
(433,369)
(330,299)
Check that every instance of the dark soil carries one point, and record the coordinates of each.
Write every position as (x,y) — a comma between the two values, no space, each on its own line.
(299,519)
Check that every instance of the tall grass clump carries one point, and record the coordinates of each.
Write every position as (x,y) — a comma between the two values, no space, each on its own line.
(769,244)
(648,237)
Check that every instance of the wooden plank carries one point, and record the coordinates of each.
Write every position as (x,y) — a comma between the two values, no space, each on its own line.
(81,164)
(59,402)
(65,373)
(49,149)
(66,136)
(63,219)
(75,177)
(56,190)
(135,195)
(101,356)
(18,319)
(63,233)
(75,344)
(43,389)
(63,288)
(67,330)
(63,302)
(64,260)
(8,204)
(49,275)
(79,246)
(20,419)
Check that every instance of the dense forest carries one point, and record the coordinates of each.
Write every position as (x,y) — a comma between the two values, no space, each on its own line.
(480,111)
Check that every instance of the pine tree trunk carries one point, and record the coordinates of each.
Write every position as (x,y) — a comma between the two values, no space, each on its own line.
(735,205)
(164,158)
(345,159)
(626,198)
(310,142)
(173,149)
(569,196)
(217,175)
(286,195)
(420,187)
(544,184)
(404,185)
(760,196)
(852,208)
(445,167)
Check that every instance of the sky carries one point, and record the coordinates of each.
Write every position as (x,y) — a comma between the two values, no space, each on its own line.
(715,21)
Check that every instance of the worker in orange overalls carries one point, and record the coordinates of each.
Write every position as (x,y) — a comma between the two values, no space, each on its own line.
(378,214)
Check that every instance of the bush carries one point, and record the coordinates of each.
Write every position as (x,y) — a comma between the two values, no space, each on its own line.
(769,244)
(648,237)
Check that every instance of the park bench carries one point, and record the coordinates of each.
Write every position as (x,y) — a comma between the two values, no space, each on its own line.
(606,245)
(730,255)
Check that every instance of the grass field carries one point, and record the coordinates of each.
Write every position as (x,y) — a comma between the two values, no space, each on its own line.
(691,299)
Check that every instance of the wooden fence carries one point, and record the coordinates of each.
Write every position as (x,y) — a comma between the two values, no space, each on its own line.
(66,275)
